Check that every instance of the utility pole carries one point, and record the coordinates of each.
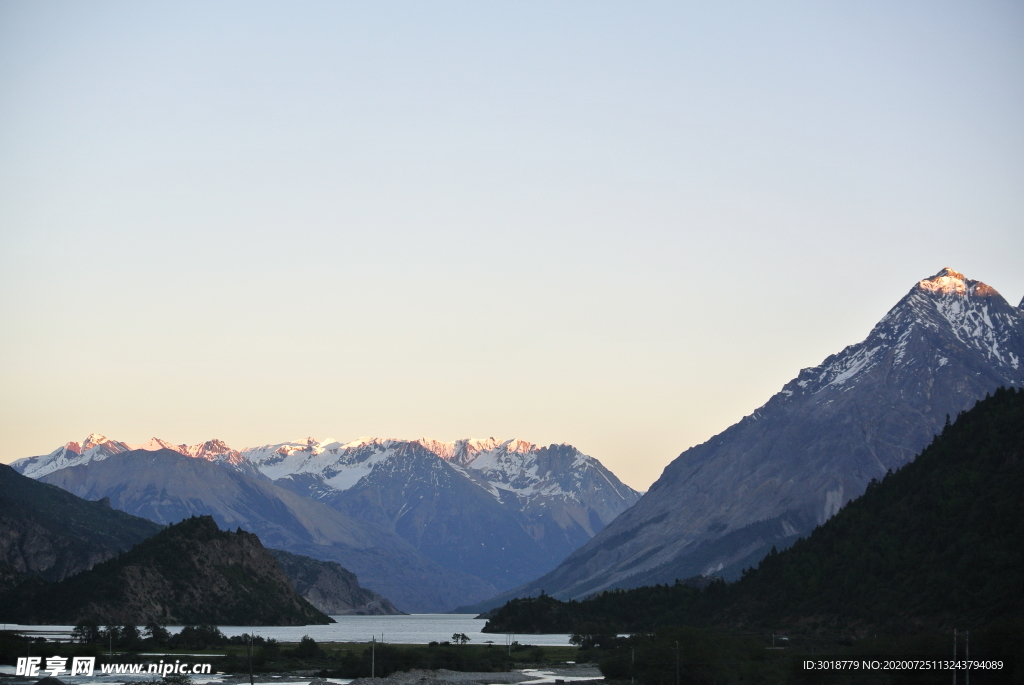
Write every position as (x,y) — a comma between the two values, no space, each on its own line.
(373,658)
(677,662)
(632,664)
(250,660)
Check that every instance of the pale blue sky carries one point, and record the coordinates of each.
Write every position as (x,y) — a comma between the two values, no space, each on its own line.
(618,225)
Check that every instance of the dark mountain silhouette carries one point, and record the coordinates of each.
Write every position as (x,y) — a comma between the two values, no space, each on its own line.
(188,573)
(48,532)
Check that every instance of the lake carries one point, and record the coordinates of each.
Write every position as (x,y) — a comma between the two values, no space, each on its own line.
(410,629)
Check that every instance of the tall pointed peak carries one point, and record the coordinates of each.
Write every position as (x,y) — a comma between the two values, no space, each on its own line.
(951,282)
(950,272)
(947,281)
(93,440)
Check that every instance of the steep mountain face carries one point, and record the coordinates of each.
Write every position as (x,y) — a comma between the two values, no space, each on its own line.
(165,486)
(50,533)
(504,511)
(937,545)
(188,573)
(330,588)
(816,444)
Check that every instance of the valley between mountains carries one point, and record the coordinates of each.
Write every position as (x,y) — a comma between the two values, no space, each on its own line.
(433,526)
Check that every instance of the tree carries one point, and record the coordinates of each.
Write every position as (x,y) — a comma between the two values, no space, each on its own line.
(86,632)
(129,637)
(307,649)
(460,638)
(156,633)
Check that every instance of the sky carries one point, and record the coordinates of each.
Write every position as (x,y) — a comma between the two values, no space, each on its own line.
(618,225)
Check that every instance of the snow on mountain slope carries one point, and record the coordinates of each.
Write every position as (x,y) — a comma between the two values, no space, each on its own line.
(97,447)
(510,465)
(945,307)
(94,447)
(503,510)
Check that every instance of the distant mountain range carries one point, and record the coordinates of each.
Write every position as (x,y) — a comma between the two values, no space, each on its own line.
(771,478)
(503,511)
(430,525)
(166,486)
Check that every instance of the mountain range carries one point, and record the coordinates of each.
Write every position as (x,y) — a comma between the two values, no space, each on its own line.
(794,462)
(430,525)
(165,486)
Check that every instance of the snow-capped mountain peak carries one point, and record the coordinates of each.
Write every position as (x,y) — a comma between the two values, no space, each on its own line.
(93,440)
(95,447)
(496,465)
(974,312)
(956,313)
(946,281)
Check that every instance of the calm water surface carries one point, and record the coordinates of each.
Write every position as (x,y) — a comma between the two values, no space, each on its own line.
(411,629)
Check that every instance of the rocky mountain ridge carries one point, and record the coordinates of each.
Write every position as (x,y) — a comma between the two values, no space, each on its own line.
(330,588)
